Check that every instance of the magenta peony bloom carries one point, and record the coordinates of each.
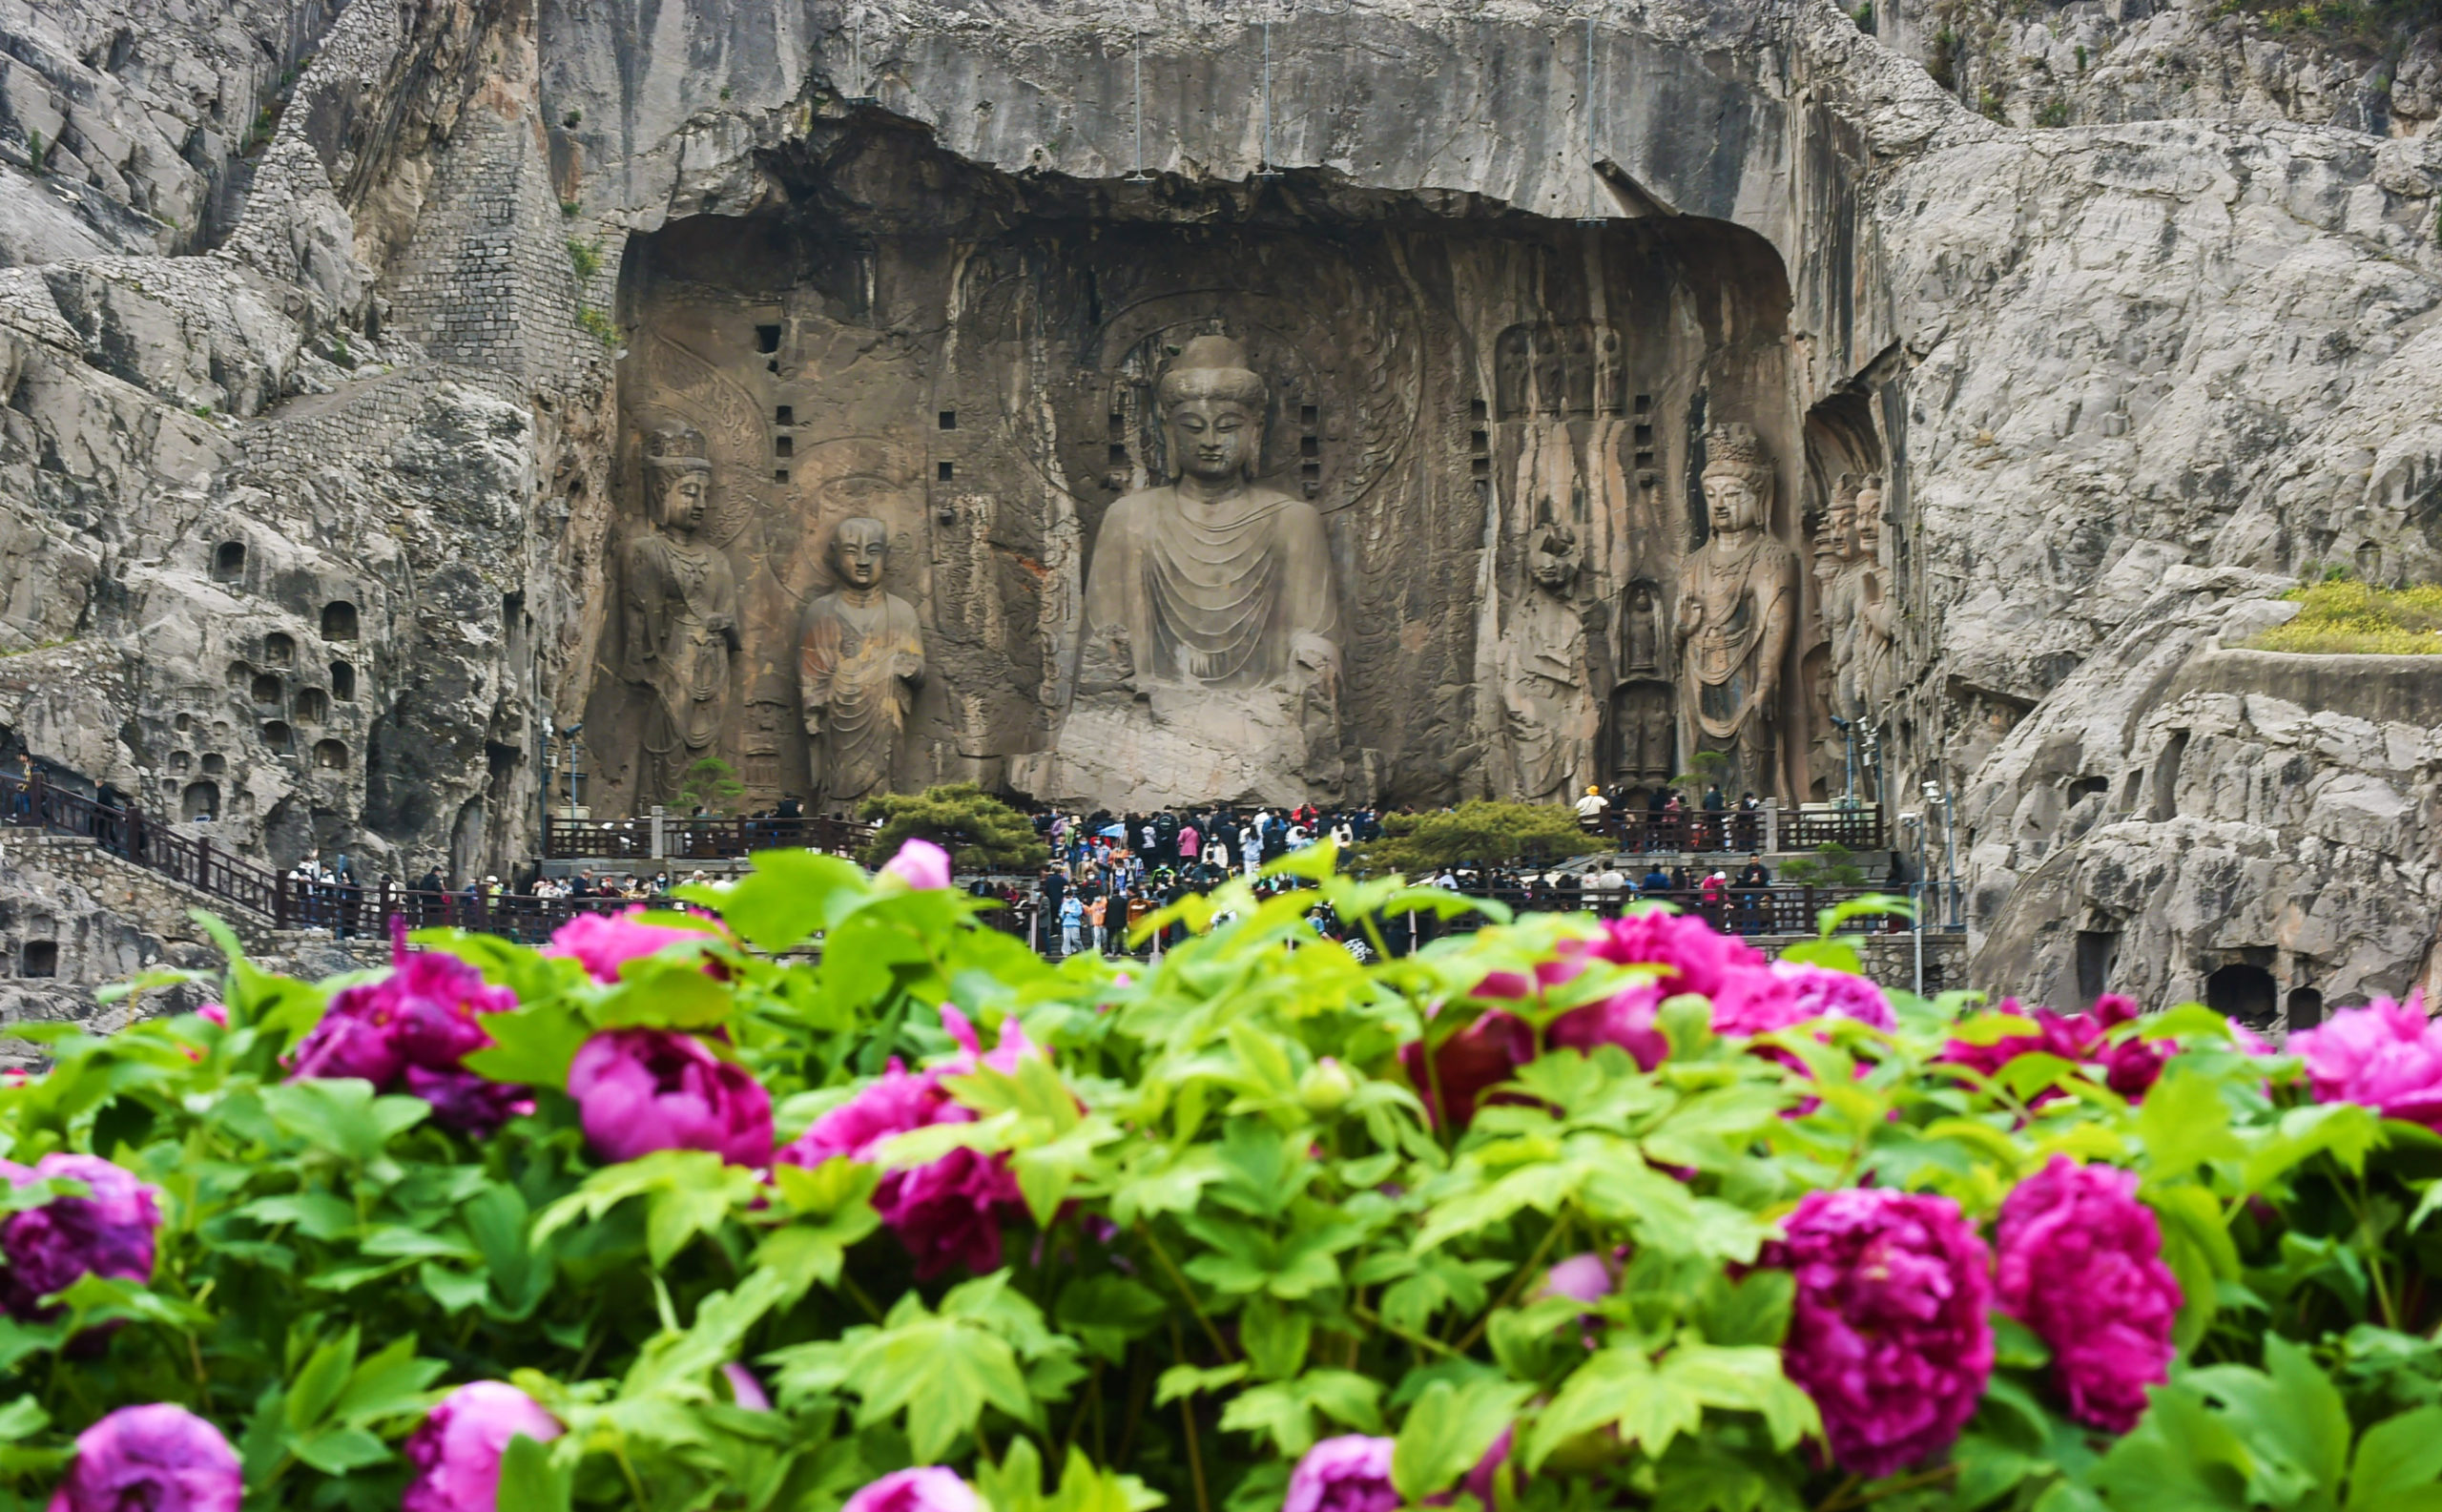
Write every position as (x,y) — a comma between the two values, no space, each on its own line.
(1700,959)
(1348,1474)
(926,1488)
(603,943)
(1624,1019)
(1469,1064)
(1889,1334)
(48,1249)
(1819,992)
(2129,1067)
(2081,1264)
(947,1211)
(158,1458)
(456,1450)
(417,1024)
(919,863)
(640,1090)
(214,1013)
(1580,1279)
(2385,1056)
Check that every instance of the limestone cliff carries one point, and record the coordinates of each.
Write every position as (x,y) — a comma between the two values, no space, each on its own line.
(312,459)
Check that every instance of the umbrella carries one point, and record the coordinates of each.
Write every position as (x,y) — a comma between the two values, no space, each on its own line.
(1117,832)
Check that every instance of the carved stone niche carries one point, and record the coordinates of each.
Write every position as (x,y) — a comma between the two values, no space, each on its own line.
(976,360)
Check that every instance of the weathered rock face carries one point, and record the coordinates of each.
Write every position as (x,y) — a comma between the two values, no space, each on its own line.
(333,509)
(2082,62)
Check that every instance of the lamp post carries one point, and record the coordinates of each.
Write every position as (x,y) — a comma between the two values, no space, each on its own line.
(1912,823)
(1935,792)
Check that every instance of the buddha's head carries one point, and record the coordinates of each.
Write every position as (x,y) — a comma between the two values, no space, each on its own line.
(1212,406)
(678,476)
(1738,480)
(1869,518)
(859,549)
(1554,566)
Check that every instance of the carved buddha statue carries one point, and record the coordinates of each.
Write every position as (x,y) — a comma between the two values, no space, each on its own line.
(678,613)
(1213,579)
(1549,713)
(1737,601)
(860,657)
(1210,657)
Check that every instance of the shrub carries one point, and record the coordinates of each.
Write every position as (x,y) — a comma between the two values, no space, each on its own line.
(1484,832)
(961,1231)
(980,832)
(2342,615)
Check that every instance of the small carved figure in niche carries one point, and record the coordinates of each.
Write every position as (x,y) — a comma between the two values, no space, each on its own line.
(680,614)
(1549,712)
(1214,581)
(860,658)
(1737,599)
(1877,614)
(1644,733)
(1642,635)
(767,704)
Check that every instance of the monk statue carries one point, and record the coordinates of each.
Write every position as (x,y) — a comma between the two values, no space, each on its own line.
(1549,714)
(860,658)
(1737,603)
(1210,659)
(1836,577)
(679,613)
(1877,612)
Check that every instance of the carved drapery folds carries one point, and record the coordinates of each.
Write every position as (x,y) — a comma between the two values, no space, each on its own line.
(1738,604)
(679,613)
(860,658)
(1550,710)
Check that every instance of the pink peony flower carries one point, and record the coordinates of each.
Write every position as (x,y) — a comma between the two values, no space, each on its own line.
(1348,1474)
(1889,1334)
(2081,1265)
(1624,1019)
(1580,1279)
(1700,959)
(1819,992)
(947,1211)
(1469,1064)
(926,1488)
(604,942)
(417,1024)
(214,1013)
(456,1450)
(2385,1056)
(919,863)
(48,1249)
(158,1458)
(640,1090)
(2129,1067)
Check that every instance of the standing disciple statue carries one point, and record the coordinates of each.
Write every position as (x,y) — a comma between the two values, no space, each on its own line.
(1737,603)
(1877,616)
(860,658)
(1210,659)
(680,614)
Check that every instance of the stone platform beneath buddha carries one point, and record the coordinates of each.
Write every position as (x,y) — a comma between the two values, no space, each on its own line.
(1135,753)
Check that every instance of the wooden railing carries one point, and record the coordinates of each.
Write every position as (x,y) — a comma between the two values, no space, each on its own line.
(1741,831)
(674,838)
(344,908)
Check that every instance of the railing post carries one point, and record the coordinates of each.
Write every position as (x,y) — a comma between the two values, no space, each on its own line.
(658,839)
(1772,826)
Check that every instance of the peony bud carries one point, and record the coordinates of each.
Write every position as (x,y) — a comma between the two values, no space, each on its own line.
(640,1090)
(160,1458)
(1326,1087)
(919,863)
(456,1450)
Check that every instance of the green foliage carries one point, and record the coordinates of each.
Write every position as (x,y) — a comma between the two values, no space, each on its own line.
(2380,25)
(1864,18)
(1832,865)
(1235,1233)
(2342,615)
(980,832)
(709,783)
(598,325)
(585,258)
(2055,111)
(1484,832)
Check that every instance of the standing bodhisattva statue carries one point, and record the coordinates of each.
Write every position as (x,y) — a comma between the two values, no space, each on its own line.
(1737,602)
(679,613)
(860,657)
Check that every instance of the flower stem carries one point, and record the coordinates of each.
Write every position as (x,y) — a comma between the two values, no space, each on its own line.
(1187,1417)
(1186,1293)
(1534,1266)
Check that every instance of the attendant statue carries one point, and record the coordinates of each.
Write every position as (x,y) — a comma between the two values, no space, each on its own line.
(1549,714)
(1737,602)
(1210,659)
(1835,576)
(679,613)
(860,658)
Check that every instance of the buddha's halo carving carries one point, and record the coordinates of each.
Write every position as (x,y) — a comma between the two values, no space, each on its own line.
(683,382)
